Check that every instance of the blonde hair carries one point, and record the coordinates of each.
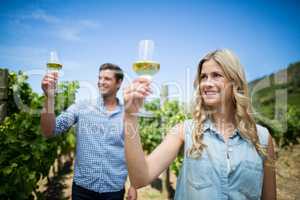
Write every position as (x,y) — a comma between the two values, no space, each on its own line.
(243,120)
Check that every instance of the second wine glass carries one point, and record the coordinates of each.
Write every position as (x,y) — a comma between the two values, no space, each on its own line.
(146,67)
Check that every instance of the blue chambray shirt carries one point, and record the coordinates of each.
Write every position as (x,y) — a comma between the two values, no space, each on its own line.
(225,171)
(100,159)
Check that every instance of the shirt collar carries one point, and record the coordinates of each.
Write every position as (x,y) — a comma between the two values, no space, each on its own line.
(209,125)
(100,102)
(101,106)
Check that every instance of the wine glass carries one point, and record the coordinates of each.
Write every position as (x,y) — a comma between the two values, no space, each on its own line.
(53,64)
(145,67)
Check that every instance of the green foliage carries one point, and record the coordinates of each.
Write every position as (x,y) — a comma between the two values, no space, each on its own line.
(153,130)
(20,94)
(149,128)
(176,165)
(25,155)
(279,96)
(292,135)
(288,131)
(172,113)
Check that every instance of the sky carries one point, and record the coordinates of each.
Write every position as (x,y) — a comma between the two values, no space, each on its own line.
(265,35)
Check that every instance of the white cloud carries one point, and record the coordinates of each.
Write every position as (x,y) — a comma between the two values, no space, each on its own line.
(37,14)
(72,65)
(29,56)
(69,34)
(65,29)
(88,23)
(72,31)
(40,14)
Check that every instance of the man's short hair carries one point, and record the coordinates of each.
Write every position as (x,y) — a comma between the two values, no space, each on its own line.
(119,75)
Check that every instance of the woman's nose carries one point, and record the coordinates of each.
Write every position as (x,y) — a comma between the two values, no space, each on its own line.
(207,82)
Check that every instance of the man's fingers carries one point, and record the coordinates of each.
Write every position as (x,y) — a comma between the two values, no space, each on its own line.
(51,77)
(53,74)
(48,83)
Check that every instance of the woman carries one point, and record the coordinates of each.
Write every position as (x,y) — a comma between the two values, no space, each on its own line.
(227,156)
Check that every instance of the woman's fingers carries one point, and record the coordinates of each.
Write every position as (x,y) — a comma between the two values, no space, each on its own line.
(135,94)
(138,90)
(142,80)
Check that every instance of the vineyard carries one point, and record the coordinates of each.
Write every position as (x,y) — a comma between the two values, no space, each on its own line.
(27,159)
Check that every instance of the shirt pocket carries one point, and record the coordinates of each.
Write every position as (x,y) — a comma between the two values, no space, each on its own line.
(199,173)
(251,179)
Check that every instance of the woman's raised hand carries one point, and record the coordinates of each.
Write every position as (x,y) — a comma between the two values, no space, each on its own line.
(135,93)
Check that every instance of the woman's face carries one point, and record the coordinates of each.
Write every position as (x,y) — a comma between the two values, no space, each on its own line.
(215,88)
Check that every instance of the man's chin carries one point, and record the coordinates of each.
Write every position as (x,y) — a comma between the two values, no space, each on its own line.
(103,91)
(105,94)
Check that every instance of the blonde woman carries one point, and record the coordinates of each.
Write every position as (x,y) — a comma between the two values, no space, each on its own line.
(226,155)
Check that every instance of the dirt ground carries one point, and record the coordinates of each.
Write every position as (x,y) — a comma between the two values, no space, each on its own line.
(287,176)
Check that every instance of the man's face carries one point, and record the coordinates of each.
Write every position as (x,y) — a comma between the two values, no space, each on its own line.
(108,83)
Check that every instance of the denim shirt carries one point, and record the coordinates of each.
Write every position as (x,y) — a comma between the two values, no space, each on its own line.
(232,170)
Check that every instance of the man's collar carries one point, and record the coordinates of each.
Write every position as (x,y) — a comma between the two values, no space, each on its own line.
(100,102)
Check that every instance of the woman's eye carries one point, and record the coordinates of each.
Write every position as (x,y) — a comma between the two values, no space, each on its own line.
(203,76)
(217,75)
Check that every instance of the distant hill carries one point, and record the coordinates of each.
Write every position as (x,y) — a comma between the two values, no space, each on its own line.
(277,88)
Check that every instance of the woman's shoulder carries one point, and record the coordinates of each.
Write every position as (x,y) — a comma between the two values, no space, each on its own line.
(188,122)
(188,125)
(263,134)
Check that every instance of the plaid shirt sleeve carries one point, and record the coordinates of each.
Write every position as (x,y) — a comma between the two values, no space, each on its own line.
(66,119)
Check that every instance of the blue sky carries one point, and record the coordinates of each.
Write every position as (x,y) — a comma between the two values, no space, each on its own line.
(264,34)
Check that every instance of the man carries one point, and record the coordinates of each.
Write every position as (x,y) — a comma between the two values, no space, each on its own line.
(100,170)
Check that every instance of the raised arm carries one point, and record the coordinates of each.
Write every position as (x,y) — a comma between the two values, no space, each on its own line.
(143,170)
(48,115)
(269,183)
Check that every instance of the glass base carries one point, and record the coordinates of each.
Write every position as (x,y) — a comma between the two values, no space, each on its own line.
(144,113)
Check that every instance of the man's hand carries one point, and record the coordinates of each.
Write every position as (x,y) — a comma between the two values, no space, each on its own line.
(47,115)
(49,84)
(131,194)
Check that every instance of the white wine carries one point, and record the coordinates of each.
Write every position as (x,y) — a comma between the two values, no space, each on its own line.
(146,67)
(54,66)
